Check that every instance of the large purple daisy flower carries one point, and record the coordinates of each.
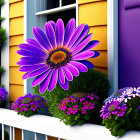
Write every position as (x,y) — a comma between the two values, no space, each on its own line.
(57,55)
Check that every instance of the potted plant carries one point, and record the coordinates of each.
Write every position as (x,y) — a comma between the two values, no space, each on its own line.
(121,111)
(29,104)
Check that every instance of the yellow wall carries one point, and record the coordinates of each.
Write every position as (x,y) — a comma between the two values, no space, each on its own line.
(94,13)
(16,38)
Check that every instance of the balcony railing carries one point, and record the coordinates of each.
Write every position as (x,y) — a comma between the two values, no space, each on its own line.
(50,126)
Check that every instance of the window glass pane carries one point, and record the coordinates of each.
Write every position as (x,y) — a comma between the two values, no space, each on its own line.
(65,16)
(67,2)
(42,5)
(52,4)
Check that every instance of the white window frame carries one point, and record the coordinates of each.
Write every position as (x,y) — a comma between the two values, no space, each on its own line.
(112,33)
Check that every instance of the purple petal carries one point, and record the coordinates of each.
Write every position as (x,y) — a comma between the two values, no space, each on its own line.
(83,55)
(69,31)
(81,67)
(68,74)
(32,59)
(59,32)
(73,69)
(40,78)
(96,54)
(38,72)
(64,86)
(76,34)
(25,76)
(88,64)
(30,54)
(50,34)
(91,45)
(53,80)
(82,35)
(33,42)
(42,38)
(52,23)
(45,83)
(31,68)
(61,75)
(32,49)
(21,63)
(82,44)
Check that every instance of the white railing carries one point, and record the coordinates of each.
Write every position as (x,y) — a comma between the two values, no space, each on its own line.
(50,126)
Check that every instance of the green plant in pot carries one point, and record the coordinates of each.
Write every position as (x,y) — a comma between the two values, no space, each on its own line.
(91,82)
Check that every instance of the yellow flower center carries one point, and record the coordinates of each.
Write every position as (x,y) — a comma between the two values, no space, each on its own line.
(58,57)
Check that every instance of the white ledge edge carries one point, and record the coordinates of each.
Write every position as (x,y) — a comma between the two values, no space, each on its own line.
(53,127)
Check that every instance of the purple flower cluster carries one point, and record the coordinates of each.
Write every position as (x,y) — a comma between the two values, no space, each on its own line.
(73,105)
(3,94)
(29,102)
(116,103)
(114,107)
(124,95)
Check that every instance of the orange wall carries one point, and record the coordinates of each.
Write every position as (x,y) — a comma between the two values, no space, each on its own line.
(16,38)
(94,13)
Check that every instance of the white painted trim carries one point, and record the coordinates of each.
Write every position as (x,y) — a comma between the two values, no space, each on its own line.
(5,48)
(2,131)
(112,30)
(55,10)
(52,126)
(46,137)
(77,13)
(13,133)
(35,136)
(22,134)
(60,3)
(25,37)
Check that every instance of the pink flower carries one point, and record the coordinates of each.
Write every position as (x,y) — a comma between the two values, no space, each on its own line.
(62,106)
(72,110)
(84,111)
(88,105)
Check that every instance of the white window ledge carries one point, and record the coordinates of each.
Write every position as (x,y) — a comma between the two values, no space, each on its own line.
(53,127)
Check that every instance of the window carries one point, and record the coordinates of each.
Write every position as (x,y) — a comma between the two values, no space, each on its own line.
(53,9)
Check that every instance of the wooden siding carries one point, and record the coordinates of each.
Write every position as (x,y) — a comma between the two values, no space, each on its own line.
(16,38)
(94,13)
(87,1)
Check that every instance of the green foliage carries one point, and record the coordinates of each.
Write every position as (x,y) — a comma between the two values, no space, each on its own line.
(2,2)
(130,121)
(1,70)
(1,19)
(28,113)
(80,116)
(90,82)
(2,36)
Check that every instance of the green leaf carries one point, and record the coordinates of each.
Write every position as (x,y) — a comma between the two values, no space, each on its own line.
(108,125)
(121,132)
(87,117)
(77,118)
(81,122)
